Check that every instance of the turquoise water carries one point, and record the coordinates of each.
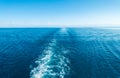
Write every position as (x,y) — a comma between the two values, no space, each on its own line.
(60,53)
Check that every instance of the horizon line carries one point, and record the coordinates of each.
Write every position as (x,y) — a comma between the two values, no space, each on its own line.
(59,26)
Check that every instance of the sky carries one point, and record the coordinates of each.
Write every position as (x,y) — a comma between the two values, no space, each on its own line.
(15,13)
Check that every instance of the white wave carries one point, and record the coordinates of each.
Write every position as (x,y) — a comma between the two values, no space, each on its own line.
(51,65)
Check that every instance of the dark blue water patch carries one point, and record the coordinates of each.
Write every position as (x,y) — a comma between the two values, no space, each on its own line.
(19,48)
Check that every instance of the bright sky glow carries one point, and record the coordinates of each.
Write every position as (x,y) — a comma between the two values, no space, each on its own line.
(15,13)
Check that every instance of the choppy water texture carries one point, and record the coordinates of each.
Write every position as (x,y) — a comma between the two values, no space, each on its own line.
(60,53)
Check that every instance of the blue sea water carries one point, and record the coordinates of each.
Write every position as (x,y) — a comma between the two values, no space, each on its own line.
(59,53)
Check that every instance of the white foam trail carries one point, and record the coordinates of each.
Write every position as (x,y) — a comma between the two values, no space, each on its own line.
(51,64)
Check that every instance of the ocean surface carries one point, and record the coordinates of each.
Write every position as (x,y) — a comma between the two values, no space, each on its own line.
(59,53)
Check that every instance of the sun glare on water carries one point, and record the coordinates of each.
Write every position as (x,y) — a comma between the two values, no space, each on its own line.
(63,29)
